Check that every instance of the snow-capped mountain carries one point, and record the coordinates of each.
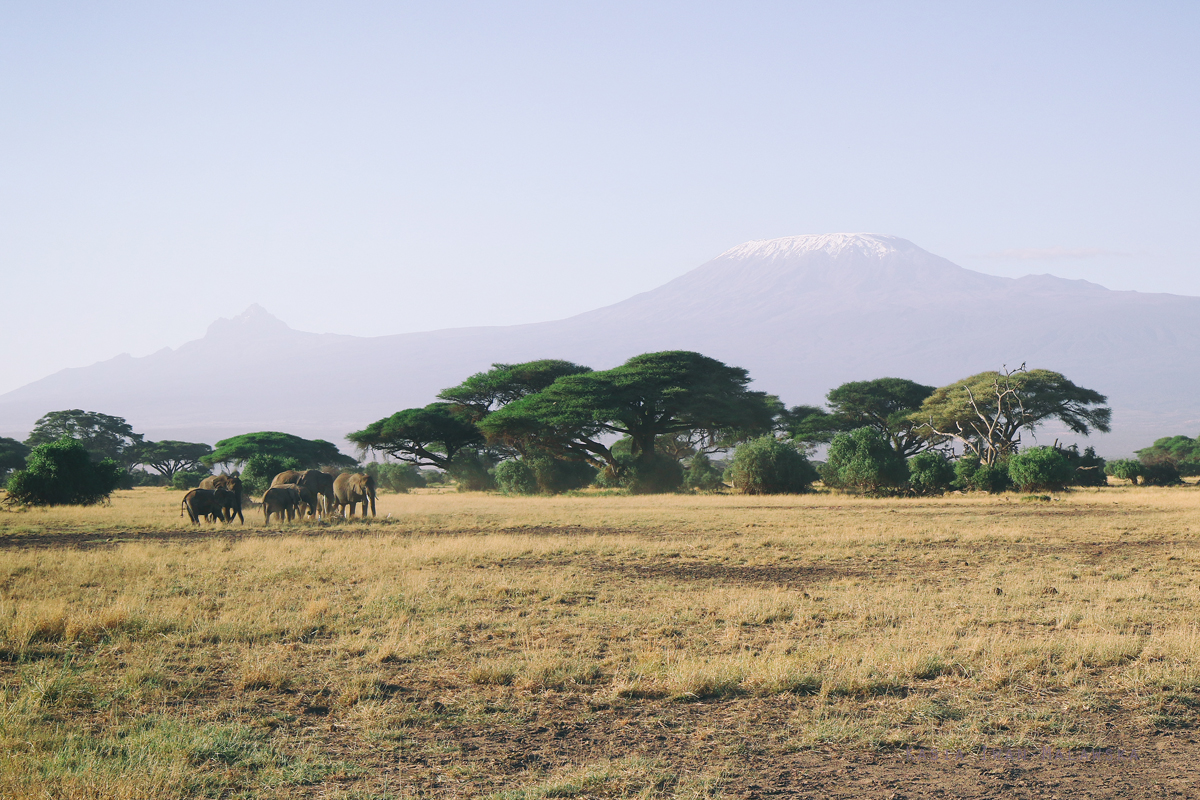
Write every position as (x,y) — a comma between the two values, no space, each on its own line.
(802,313)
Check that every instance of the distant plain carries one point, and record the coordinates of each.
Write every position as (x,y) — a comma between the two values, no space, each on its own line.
(466,645)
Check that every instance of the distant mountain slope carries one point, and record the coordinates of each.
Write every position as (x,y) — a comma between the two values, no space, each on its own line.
(803,314)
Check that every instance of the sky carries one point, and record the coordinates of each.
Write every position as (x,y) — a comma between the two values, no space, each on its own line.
(375,168)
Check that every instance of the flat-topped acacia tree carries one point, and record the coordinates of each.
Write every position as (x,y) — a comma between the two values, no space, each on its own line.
(886,405)
(425,437)
(986,413)
(434,436)
(304,453)
(651,395)
(102,435)
(485,392)
(168,457)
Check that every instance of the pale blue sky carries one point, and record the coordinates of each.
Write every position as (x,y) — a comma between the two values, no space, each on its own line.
(375,168)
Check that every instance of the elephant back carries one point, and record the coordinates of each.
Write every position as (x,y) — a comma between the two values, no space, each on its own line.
(231,483)
(287,476)
(201,500)
(317,481)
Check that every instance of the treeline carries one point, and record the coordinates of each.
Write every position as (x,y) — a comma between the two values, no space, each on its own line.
(81,457)
(654,423)
(660,422)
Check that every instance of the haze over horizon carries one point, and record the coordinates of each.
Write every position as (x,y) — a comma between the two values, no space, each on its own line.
(801,314)
(380,168)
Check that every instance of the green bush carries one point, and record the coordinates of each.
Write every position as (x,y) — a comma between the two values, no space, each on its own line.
(1040,468)
(658,474)
(140,477)
(557,475)
(609,478)
(516,477)
(188,480)
(970,474)
(769,466)
(12,456)
(702,475)
(1164,473)
(470,472)
(1087,468)
(930,473)
(1124,468)
(434,477)
(62,473)
(399,478)
(864,460)
(261,470)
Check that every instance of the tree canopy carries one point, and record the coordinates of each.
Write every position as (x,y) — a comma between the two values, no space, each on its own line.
(12,455)
(987,413)
(885,404)
(431,436)
(1181,452)
(308,454)
(808,425)
(101,435)
(484,392)
(651,395)
(168,457)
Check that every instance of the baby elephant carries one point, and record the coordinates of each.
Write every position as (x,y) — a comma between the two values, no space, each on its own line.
(282,499)
(205,503)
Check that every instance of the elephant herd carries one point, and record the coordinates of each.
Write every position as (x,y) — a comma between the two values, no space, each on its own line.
(312,493)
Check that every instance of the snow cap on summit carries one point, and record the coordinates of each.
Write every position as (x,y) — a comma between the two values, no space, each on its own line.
(869,244)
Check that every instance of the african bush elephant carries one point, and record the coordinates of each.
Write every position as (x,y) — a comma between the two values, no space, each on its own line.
(351,488)
(314,479)
(202,503)
(232,483)
(279,500)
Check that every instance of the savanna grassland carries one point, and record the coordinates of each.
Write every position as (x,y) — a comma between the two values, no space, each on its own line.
(466,645)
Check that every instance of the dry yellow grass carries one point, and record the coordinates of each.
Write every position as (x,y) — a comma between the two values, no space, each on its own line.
(146,657)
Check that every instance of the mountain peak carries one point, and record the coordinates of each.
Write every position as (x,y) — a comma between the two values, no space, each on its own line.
(254,321)
(876,245)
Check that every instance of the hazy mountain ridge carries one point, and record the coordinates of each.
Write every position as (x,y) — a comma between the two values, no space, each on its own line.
(802,313)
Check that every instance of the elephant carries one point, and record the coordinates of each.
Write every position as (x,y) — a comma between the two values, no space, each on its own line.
(279,500)
(208,502)
(351,488)
(231,482)
(309,499)
(314,479)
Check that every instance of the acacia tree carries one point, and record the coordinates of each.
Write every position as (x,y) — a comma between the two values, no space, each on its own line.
(305,453)
(885,404)
(808,426)
(1181,452)
(651,395)
(101,435)
(986,413)
(425,437)
(169,457)
(484,392)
